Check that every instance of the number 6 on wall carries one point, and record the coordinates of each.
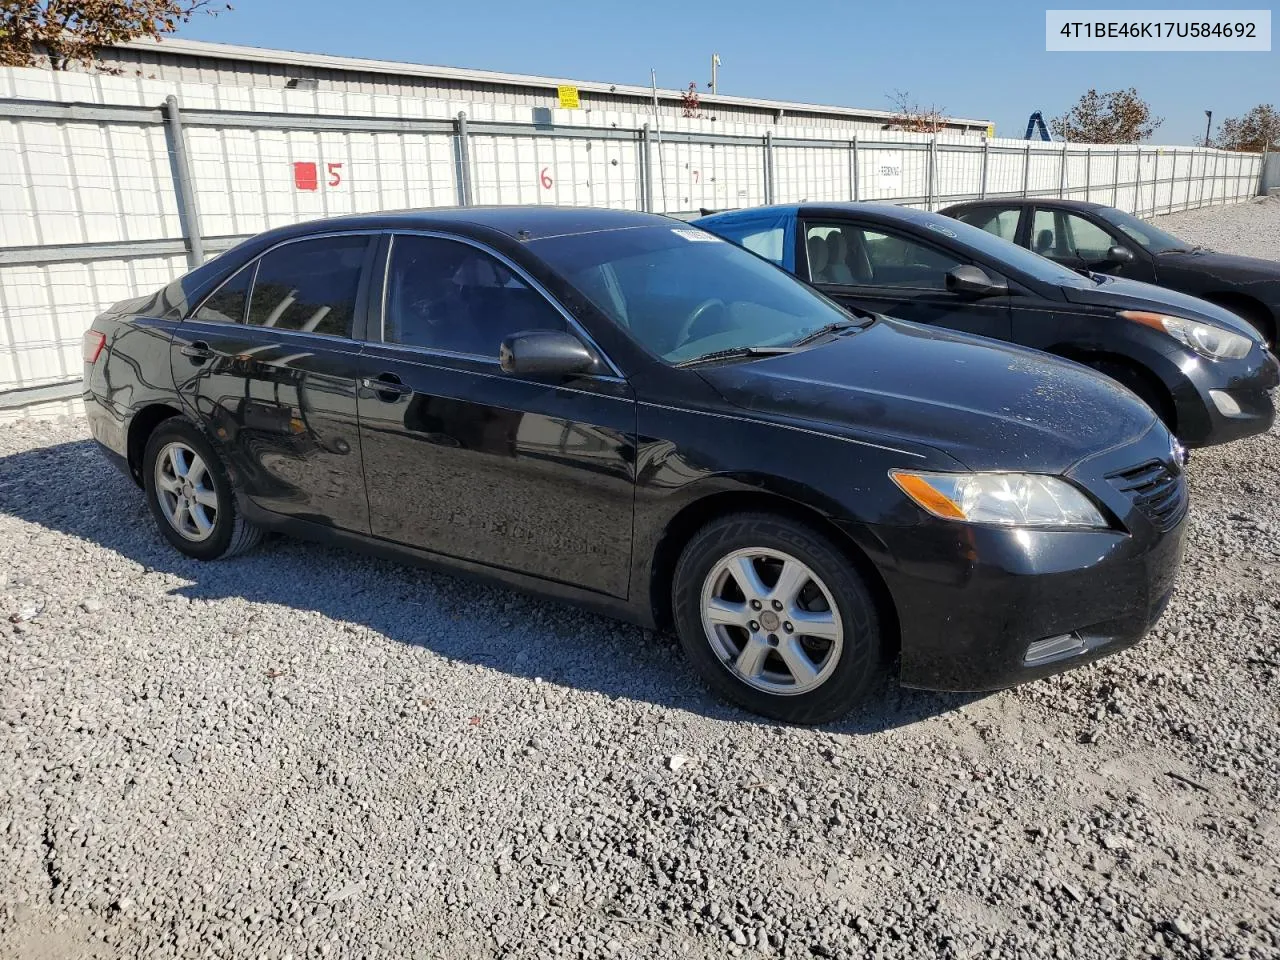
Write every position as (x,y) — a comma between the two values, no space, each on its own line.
(545,178)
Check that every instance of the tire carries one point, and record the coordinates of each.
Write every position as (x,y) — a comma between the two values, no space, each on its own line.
(1144,385)
(213,526)
(738,641)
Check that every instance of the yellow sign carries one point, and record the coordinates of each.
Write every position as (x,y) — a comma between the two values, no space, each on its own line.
(991,131)
(568,97)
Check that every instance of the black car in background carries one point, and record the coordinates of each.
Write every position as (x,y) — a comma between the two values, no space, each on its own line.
(1101,239)
(1205,371)
(624,411)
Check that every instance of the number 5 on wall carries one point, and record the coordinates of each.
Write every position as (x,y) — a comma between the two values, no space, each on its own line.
(335,175)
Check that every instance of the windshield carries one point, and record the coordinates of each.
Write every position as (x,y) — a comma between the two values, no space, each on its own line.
(1006,252)
(1143,233)
(684,293)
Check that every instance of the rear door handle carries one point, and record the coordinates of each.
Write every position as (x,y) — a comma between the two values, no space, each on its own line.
(387,386)
(198,351)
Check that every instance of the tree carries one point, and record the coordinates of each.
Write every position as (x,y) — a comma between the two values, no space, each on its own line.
(692,106)
(1257,130)
(1119,116)
(909,115)
(59,33)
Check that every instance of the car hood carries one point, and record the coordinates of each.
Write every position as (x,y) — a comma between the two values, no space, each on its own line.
(1124,294)
(1226,271)
(988,404)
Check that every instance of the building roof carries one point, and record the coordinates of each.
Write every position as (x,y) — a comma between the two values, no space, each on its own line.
(263,55)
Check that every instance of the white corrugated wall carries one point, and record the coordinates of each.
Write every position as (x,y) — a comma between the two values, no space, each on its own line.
(71,182)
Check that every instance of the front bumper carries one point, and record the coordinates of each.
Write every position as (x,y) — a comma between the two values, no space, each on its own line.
(1221,401)
(984,607)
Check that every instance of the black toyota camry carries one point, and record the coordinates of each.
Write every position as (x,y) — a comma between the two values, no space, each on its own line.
(624,411)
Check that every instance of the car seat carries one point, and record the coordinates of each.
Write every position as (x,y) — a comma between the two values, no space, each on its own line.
(818,259)
(838,254)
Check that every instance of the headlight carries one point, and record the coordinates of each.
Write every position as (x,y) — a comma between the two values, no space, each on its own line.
(1008,499)
(1206,339)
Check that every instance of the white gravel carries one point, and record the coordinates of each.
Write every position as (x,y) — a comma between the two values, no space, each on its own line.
(303,752)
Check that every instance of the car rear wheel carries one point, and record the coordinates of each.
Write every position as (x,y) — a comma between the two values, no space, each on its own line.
(191,496)
(775,619)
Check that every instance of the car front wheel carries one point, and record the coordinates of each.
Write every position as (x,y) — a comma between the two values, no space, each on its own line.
(190,494)
(775,618)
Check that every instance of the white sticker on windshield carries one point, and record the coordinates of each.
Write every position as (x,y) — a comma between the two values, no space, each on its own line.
(697,236)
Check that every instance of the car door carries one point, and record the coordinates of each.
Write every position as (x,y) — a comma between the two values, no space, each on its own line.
(530,475)
(268,362)
(1080,242)
(887,270)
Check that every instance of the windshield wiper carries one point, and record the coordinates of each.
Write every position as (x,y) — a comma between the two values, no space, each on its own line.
(821,332)
(735,353)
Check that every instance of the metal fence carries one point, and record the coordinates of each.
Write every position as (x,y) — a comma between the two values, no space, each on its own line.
(104,200)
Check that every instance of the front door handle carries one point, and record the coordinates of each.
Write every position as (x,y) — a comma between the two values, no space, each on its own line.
(387,386)
(198,351)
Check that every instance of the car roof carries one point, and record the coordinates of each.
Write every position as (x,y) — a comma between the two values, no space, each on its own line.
(881,211)
(1046,202)
(518,222)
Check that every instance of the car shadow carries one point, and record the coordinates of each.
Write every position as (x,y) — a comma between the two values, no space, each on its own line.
(72,488)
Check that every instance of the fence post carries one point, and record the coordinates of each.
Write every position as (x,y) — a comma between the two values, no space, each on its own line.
(1137,187)
(986,159)
(1173,179)
(930,173)
(1062,172)
(646,169)
(1262,170)
(768,166)
(1026,170)
(1115,179)
(1088,174)
(853,167)
(179,164)
(462,159)
(1213,182)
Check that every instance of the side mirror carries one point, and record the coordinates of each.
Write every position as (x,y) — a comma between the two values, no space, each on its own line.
(1119,254)
(545,353)
(974,281)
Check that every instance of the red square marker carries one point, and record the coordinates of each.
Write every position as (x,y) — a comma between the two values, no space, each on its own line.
(305,176)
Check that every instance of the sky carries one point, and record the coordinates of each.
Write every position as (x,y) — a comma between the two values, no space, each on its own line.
(977,60)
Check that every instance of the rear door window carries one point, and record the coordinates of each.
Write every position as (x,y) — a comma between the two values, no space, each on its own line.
(1000,221)
(309,286)
(766,237)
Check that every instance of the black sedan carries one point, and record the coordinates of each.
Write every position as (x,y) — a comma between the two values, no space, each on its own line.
(1093,237)
(1204,370)
(621,410)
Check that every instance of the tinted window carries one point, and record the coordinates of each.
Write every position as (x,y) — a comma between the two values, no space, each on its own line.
(683,293)
(1000,221)
(764,237)
(1143,233)
(309,286)
(1004,253)
(227,303)
(449,296)
(847,254)
(1056,233)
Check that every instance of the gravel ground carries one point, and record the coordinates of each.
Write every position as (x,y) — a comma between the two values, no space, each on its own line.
(304,752)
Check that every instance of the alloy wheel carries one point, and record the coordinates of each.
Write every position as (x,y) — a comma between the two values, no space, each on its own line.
(185,490)
(772,621)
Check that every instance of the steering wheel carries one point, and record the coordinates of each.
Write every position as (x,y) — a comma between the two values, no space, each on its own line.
(686,328)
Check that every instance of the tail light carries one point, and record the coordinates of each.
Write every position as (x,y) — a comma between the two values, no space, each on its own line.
(93,344)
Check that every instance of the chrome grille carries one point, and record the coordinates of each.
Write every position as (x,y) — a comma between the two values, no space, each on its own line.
(1157,490)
